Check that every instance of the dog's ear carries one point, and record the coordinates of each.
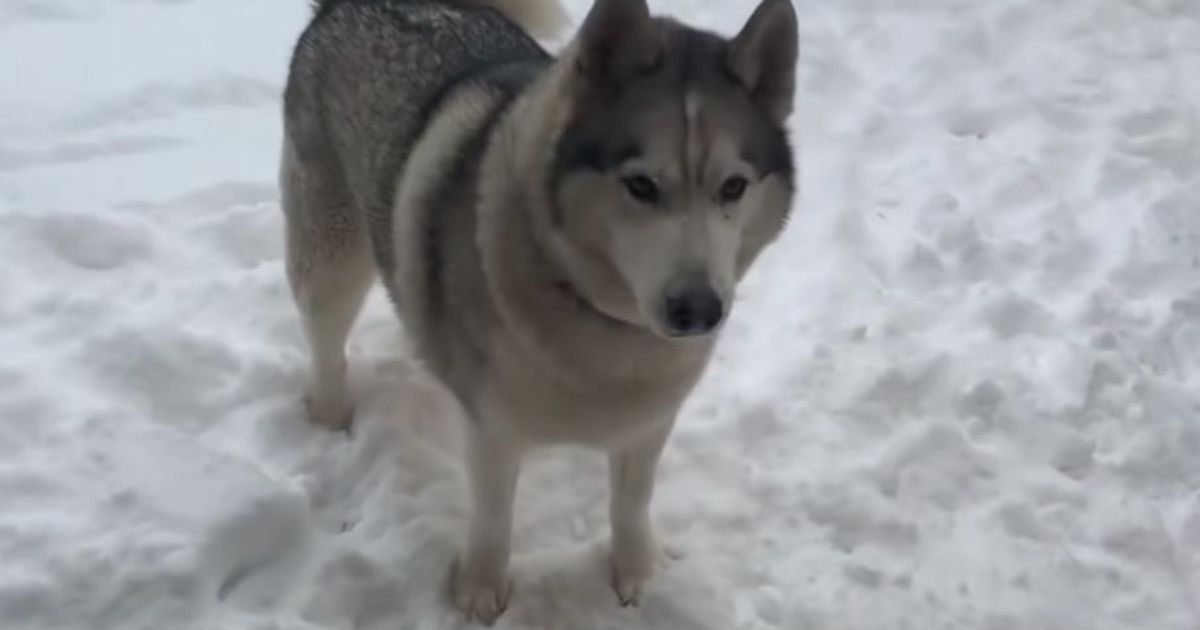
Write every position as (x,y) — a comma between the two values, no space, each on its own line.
(763,56)
(618,40)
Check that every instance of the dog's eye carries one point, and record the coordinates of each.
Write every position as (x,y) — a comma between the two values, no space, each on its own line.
(642,188)
(733,189)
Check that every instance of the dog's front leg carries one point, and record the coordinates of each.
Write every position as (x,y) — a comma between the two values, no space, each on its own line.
(634,544)
(482,585)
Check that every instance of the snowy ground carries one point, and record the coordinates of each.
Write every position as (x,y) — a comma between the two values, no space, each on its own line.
(963,391)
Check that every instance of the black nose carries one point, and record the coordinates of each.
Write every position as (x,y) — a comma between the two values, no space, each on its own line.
(694,311)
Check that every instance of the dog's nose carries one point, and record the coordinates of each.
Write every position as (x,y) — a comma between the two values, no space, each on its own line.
(694,310)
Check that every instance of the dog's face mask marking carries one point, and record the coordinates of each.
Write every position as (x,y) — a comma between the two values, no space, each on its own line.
(674,171)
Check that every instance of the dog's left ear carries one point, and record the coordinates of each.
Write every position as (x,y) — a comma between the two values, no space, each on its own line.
(763,56)
(618,40)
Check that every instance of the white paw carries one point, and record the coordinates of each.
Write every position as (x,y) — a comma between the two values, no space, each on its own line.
(481,595)
(635,558)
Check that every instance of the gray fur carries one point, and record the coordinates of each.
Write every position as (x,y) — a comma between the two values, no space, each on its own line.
(490,187)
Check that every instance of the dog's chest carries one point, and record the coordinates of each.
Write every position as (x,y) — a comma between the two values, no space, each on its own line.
(540,412)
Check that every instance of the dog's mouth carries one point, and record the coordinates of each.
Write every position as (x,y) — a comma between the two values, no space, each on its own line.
(688,331)
(685,319)
(683,336)
(585,305)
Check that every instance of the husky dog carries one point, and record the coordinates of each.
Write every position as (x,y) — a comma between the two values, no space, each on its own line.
(560,236)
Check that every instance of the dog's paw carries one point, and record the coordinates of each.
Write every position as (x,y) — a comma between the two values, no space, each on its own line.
(330,412)
(635,558)
(481,595)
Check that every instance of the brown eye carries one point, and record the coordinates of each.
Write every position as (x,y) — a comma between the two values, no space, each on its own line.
(641,188)
(733,189)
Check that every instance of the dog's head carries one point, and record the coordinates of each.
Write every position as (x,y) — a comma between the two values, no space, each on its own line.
(673,170)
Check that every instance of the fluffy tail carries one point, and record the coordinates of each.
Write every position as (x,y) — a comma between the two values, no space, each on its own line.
(541,18)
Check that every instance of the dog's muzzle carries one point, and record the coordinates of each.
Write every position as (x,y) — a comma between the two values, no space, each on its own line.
(693,310)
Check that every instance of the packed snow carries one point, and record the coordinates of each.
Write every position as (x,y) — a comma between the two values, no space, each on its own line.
(962,392)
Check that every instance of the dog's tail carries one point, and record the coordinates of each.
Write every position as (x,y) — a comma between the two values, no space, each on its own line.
(541,18)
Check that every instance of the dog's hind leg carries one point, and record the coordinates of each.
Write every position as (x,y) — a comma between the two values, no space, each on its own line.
(330,269)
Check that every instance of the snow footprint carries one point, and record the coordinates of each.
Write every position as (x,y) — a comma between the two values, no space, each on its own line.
(1010,314)
(175,374)
(92,243)
(248,231)
(253,556)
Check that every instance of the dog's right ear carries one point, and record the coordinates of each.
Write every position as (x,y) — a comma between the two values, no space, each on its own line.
(618,40)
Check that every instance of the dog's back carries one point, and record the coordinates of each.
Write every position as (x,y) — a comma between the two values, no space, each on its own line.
(366,76)
(370,80)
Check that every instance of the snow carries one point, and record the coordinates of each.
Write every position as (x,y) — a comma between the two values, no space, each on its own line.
(963,391)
